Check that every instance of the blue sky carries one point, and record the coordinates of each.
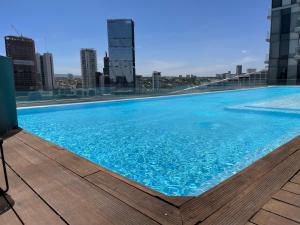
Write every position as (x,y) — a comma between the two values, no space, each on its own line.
(173,36)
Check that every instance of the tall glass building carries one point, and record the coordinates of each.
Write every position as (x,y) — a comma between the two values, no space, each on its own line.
(284,56)
(121,49)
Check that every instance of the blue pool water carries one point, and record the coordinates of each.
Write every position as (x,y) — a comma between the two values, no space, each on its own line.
(179,146)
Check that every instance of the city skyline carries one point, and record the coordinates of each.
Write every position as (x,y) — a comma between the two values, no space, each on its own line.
(209,45)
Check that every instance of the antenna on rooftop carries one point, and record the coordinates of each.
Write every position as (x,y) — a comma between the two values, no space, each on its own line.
(15,29)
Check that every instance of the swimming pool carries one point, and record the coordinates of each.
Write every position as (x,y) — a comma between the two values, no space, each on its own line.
(179,145)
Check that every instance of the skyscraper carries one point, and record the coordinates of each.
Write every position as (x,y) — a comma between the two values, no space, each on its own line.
(284,56)
(22,51)
(239,70)
(88,67)
(121,47)
(45,70)
(106,64)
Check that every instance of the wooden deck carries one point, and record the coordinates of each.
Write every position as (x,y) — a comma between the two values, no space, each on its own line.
(50,185)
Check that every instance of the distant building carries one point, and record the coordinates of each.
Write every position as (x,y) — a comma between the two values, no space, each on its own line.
(38,65)
(88,67)
(121,49)
(106,64)
(156,77)
(239,70)
(22,51)
(139,82)
(225,75)
(45,71)
(99,80)
(284,55)
(251,70)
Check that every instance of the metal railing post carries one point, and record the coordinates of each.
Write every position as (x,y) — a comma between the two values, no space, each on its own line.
(3,191)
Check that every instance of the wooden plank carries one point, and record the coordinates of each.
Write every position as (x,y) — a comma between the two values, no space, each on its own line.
(266,218)
(178,201)
(246,204)
(74,198)
(288,197)
(285,210)
(9,218)
(203,206)
(292,187)
(147,204)
(296,179)
(7,215)
(73,162)
(30,208)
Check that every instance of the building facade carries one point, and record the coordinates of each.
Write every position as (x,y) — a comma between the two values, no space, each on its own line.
(45,71)
(251,70)
(22,51)
(156,78)
(121,45)
(239,70)
(284,55)
(88,58)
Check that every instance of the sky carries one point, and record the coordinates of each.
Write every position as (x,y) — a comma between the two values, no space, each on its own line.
(172,36)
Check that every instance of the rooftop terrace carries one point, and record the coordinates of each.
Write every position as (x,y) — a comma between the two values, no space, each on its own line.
(50,185)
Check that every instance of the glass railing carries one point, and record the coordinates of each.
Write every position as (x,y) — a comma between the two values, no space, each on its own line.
(61,96)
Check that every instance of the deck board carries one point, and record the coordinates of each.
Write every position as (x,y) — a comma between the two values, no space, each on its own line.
(288,197)
(7,215)
(30,208)
(154,207)
(267,218)
(283,209)
(296,179)
(76,201)
(292,187)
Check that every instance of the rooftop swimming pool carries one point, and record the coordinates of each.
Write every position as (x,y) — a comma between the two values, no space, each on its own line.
(179,145)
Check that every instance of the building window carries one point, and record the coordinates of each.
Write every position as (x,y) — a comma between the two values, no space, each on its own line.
(286,2)
(276,3)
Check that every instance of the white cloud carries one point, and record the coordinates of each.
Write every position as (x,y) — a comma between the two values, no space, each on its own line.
(244,51)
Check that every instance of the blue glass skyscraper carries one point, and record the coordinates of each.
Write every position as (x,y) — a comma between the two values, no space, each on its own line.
(121,49)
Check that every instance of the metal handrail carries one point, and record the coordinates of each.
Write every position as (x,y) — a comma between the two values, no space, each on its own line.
(3,191)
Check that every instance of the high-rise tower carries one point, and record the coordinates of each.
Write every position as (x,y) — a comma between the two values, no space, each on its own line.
(22,51)
(121,47)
